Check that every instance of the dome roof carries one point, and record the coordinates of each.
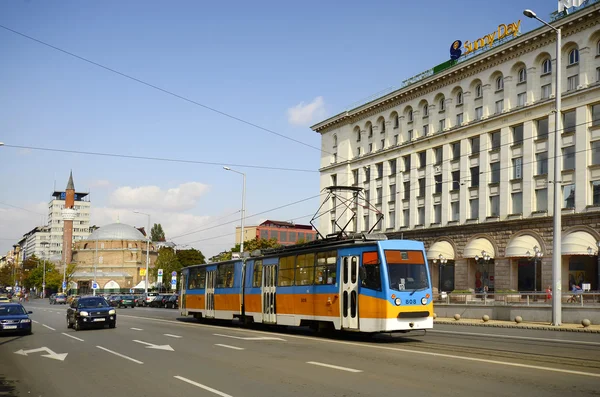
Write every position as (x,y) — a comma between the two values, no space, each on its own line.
(117,231)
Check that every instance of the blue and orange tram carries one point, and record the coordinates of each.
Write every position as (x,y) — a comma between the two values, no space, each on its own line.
(366,284)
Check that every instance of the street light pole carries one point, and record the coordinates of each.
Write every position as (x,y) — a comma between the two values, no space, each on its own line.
(243,207)
(556,247)
(45,244)
(147,249)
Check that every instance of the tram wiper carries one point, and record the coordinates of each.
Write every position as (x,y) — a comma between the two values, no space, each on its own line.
(419,289)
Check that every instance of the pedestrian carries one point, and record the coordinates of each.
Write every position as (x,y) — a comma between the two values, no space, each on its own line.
(548,293)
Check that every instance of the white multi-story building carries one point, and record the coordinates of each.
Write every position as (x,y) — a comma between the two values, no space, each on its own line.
(461,157)
(37,242)
(81,223)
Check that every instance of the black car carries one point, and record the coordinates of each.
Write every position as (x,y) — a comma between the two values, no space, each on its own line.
(90,311)
(14,318)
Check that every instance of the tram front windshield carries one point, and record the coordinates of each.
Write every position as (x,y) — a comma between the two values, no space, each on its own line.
(406,270)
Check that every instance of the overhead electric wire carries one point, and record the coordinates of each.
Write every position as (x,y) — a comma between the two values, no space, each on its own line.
(21,208)
(213,221)
(222,113)
(157,158)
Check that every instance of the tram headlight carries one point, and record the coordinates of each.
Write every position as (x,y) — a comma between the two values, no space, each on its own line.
(398,301)
(423,301)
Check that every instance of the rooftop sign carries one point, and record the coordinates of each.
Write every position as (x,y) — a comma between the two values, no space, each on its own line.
(511,29)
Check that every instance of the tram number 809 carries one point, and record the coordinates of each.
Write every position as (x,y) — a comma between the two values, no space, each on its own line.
(411,301)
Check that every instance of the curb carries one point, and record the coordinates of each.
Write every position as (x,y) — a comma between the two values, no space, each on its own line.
(533,327)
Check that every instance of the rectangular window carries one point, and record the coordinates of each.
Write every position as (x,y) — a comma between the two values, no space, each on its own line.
(595,146)
(569,121)
(225,275)
(406,160)
(357,152)
(569,158)
(495,140)
(572,82)
(382,144)
(455,148)
(495,206)
(541,160)
(499,106)
(354,177)
(410,135)
(437,213)
(367,170)
(379,192)
(379,167)
(325,270)
(596,193)
(422,159)
(286,271)
(406,218)
(392,192)
(478,113)
(474,176)
(392,164)
(455,209)
(455,180)
(370,147)
(421,214)
(396,139)
(569,196)
(425,129)
(495,172)
(422,187)
(474,207)
(257,274)
(596,114)
(541,200)
(521,99)
(391,220)
(264,234)
(517,203)
(459,119)
(283,236)
(438,183)
(305,269)
(442,125)
(437,154)
(475,145)
(406,190)
(546,91)
(517,132)
(517,168)
(542,128)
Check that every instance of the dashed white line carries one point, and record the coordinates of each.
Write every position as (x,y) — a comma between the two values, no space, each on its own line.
(137,329)
(230,347)
(48,327)
(120,355)
(37,322)
(173,336)
(210,389)
(74,337)
(250,337)
(334,366)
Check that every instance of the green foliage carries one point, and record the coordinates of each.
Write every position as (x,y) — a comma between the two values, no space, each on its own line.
(167,261)
(190,257)
(35,276)
(249,246)
(6,277)
(157,233)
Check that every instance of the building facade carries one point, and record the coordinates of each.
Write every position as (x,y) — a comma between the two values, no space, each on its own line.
(461,158)
(37,242)
(286,233)
(115,255)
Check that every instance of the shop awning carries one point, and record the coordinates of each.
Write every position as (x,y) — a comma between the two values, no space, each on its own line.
(519,246)
(443,248)
(477,245)
(577,243)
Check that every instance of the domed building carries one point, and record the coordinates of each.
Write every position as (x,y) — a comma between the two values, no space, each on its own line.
(118,254)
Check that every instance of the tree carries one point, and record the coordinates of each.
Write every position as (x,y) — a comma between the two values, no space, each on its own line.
(168,262)
(35,276)
(6,275)
(249,246)
(157,233)
(190,257)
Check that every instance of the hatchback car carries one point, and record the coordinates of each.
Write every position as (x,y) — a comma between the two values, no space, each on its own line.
(92,311)
(14,318)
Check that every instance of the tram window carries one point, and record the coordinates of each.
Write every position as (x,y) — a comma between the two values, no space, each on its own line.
(201,278)
(286,271)
(406,269)
(326,268)
(305,269)
(225,275)
(372,265)
(196,278)
(257,276)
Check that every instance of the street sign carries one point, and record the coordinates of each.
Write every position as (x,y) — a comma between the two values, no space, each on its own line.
(142,272)
(131,290)
(64,284)
(174,274)
(159,278)
(94,285)
(160,272)
(173,284)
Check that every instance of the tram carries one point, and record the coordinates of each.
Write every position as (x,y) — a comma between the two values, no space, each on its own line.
(363,283)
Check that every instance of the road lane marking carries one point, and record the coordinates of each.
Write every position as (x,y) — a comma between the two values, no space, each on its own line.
(120,355)
(375,347)
(153,346)
(576,342)
(210,389)
(37,322)
(250,337)
(137,329)
(334,366)
(49,327)
(230,347)
(173,336)
(74,337)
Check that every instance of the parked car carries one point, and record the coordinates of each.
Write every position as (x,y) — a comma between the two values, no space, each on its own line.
(149,297)
(14,318)
(91,311)
(125,301)
(60,299)
(172,302)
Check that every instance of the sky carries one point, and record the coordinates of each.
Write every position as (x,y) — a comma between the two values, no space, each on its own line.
(225,83)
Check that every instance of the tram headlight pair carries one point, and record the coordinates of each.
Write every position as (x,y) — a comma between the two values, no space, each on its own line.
(398,301)
(423,301)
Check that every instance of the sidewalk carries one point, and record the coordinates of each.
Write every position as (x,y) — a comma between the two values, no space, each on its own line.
(594,328)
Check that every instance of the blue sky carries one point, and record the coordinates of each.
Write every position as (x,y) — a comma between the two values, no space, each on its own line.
(254,60)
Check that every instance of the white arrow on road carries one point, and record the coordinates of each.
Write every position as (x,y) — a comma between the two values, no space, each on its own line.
(153,346)
(51,354)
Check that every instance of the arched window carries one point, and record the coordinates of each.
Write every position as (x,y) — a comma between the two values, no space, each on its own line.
(478,91)
(499,83)
(357,134)
(396,121)
(410,116)
(522,75)
(574,56)
(442,104)
(335,141)
(459,98)
(598,48)
(547,66)
(370,131)
(425,110)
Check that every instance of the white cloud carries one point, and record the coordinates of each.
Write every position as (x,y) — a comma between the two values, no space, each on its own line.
(305,114)
(24,152)
(15,222)
(100,183)
(181,198)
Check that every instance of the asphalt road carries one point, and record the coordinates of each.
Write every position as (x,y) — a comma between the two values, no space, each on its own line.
(151,353)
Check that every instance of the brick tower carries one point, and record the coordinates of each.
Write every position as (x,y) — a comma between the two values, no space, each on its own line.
(68,214)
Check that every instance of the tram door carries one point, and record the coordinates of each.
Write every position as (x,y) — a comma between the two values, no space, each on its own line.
(349,292)
(182,289)
(268,292)
(209,294)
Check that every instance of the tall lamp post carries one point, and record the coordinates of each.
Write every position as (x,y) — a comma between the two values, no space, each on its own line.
(442,262)
(45,245)
(537,255)
(243,207)
(147,249)
(556,247)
